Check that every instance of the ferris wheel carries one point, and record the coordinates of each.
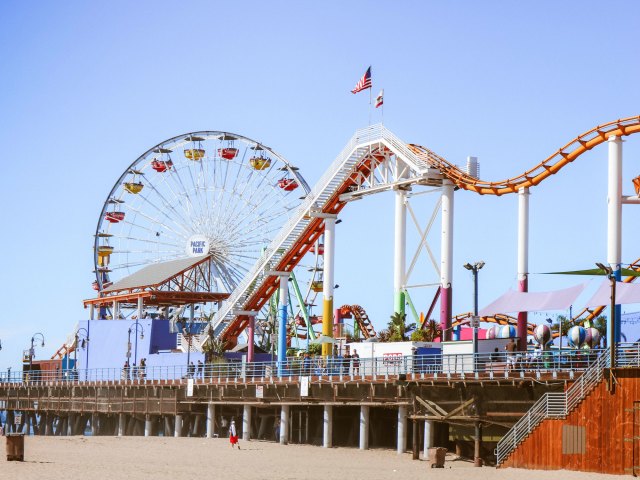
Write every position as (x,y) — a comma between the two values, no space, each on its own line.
(200,193)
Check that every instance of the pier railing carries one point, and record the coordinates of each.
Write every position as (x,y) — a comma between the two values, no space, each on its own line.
(559,405)
(484,365)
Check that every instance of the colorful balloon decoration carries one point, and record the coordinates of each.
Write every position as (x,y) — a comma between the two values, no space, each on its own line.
(592,337)
(506,331)
(542,334)
(577,336)
(492,332)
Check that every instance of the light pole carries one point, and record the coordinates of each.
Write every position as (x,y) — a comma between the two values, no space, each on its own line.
(85,340)
(187,326)
(474,269)
(136,324)
(611,328)
(31,350)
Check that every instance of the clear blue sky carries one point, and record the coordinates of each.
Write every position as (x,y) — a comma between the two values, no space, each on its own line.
(86,87)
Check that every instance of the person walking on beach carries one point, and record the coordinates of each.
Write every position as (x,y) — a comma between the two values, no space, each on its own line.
(233,435)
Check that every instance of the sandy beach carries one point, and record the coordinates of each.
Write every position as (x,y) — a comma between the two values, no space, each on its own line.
(188,458)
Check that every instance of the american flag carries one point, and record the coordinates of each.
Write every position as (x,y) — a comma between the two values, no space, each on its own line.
(364,82)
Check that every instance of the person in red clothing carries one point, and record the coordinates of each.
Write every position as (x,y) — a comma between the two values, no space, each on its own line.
(233,435)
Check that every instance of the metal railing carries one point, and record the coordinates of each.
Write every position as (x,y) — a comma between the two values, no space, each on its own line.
(493,365)
(559,405)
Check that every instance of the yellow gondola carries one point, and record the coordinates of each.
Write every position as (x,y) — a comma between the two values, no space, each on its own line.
(194,153)
(105,250)
(133,187)
(316,286)
(260,163)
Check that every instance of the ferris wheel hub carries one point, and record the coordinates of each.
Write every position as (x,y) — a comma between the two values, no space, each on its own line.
(198,245)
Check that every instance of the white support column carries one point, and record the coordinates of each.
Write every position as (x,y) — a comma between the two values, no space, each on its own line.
(92,312)
(178,426)
(328,281)
(140,307)
(246,423)
(428,438)
(400,251)
(122,424)
(402,429)
(115,310)
(284,424)
(148,425)
(327,430)
(614,225)
(446,259)
(523,261)
(211,415)
(364,427)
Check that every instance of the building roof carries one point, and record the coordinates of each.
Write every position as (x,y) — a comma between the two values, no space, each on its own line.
(155,274)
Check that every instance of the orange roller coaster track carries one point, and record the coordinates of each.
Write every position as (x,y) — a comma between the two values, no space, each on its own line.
(550,166)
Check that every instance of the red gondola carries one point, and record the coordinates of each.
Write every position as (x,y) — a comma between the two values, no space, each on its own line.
(161,165)
(287,184)
(228,153)
(95,285)
(114,217)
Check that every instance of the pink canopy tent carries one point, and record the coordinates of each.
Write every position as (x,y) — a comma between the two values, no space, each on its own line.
(625,293)
(513,301)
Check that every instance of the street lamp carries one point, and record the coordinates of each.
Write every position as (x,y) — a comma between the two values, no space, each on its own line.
(611,326)
(474,269)
(186,327)
(136,324)
(85,340)
(32,351)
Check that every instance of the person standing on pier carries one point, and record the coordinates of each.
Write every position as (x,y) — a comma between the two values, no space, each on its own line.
(511,349)
(200,365)
(356,362)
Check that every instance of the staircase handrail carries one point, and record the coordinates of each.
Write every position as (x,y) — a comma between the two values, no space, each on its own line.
(553,405)
(273,252)
(362,136)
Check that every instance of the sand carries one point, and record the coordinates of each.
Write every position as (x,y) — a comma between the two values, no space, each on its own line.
(160,458)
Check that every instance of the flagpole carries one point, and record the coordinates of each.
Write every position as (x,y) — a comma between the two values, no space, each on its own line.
(370,94)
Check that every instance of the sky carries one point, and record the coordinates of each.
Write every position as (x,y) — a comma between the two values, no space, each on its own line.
(86,87)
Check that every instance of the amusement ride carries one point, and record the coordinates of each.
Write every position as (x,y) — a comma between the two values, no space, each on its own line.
(264,241)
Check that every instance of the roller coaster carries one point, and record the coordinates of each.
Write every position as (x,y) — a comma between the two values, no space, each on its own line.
(351,173)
